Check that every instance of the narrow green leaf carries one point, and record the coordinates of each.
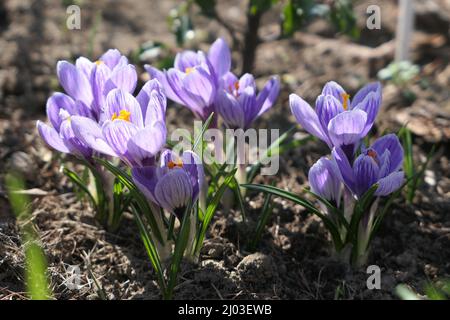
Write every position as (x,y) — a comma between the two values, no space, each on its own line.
(211,209)
(135,193)
(199,138)
(262,221)
(80,184)
(151,250)
(329,224)
(179,250)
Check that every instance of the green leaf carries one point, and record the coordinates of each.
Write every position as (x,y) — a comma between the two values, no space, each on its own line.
(405,293)
(137,195)
(180,247)
(295,14)
(151,250)
(329,224)
(362,206)
(336,211)
(343,17)
(207,7)
(261,6)
(211,209)
(205,126)
(262,221)
(80,184)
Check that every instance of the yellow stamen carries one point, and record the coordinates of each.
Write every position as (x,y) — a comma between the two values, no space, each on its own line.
(123,115)
(99,62)
(236,85)
(173,164)
(345,99)
(188,70)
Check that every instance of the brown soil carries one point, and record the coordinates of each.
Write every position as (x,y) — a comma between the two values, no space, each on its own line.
(294,259)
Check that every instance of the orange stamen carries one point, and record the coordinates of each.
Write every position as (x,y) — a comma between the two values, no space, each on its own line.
(345,99)
(172,165)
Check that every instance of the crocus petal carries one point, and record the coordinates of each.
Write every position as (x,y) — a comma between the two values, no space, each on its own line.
(119,100)
(145,95)
(220,57)
(124,78)
(81,109)
(90,133)
(370,105)
(228,81)
(162,78)
(364,91)
(190,100)
(200,83)
(147,142)
(392,143)
(307,118)
(347,128)
(74,82)
(185,60)
(112,58)
(334,89)
(51,137)
(268,95)
(230,110)
(117,133)
(247,101)
(174,190)
(100,75)
(384,164)
(390,183)
(327,107)
(324,179)
(247,80)
(75,145)
(85,66)
(194,168)
(167,156)
(156,110)
(366,174)
(57,102)
(345,169)
(145,179)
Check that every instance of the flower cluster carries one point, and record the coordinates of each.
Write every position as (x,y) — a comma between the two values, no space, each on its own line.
(204,83)
(101,121)
(354,168)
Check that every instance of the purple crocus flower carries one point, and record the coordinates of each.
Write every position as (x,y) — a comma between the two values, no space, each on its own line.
(60,136)
(324,179)
(336,120)
(90,82)
(174,183)
(194,80)
(238,102)
(379,164)
(130,128)
(86,84)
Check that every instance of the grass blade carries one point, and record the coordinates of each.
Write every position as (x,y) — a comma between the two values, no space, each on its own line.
(262,222)
(211,209)
(180,247)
